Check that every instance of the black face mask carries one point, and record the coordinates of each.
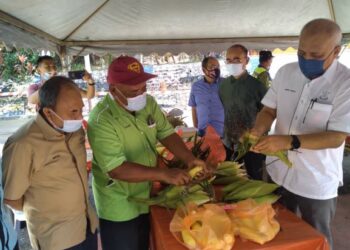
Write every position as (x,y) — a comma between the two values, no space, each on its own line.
(214,74)
(217,73)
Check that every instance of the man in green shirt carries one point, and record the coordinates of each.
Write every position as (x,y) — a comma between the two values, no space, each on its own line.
(123,130)
(241,94)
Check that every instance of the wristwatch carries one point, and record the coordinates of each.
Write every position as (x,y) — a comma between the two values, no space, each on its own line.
(295,142)
(91,83)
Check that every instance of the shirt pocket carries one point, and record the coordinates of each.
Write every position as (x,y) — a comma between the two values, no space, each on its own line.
(317,117)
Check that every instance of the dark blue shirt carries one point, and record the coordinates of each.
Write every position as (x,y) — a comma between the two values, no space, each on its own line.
(205,98)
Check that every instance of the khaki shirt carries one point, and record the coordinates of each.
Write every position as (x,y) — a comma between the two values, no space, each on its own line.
(48,169)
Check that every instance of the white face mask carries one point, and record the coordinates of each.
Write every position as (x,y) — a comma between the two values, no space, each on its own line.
(235,69)
(135,103)
(69,126)
(46,76)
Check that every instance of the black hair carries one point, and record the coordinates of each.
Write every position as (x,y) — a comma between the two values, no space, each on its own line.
(49,92)
(240,46)
(43,58)
(206,60)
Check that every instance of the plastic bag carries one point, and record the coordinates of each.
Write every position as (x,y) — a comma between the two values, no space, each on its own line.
(254,221)
(203,228)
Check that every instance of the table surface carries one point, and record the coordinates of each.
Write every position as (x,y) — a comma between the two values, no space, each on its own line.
(295,234)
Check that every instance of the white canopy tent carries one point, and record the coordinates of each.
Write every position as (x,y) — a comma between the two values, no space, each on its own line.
(147,26)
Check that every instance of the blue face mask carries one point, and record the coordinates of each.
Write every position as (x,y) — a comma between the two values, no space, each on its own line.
(311,68)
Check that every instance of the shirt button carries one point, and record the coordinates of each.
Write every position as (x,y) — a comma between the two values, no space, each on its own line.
(141,133)
(296,118)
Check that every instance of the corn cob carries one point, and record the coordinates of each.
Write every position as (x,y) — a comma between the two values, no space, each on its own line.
(228,164)
(188,239)
(196,150)
(230,168)
(193,172)
(226,180)
(250,140)
(239,182)
(251,189)
(269,198)
(173,196)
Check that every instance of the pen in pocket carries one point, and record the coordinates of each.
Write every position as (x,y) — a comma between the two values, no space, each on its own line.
(311,104)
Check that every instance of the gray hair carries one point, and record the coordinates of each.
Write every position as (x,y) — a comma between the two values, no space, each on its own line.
(323,26)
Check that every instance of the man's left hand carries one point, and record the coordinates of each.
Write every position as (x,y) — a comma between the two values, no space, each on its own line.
(272,143)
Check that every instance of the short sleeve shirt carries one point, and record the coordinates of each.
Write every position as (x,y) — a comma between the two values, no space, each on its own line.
(205,98)
(116,136)
(305,107)
(48,169)
(241,99)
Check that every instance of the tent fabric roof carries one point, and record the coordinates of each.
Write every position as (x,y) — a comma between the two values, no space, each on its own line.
(135,26)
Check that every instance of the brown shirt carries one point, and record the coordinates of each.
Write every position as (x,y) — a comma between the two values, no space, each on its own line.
(48,169)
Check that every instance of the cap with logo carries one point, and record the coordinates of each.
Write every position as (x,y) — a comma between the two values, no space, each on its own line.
(128,71)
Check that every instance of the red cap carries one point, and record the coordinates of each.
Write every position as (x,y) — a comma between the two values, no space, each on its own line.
(127,70)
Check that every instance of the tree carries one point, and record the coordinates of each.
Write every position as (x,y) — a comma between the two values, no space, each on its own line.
(17,65)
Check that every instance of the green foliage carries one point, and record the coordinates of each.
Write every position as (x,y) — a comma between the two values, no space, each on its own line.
(77,63)
(17,65)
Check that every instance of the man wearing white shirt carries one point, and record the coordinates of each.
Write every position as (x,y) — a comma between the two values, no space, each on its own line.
(311,105)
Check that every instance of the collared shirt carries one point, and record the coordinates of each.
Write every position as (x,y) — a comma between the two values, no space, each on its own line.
(305,107)
(116,136)
(205,98)
(8,237)
(241,99)
(48,169)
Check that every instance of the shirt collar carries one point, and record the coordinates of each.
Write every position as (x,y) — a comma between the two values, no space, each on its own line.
(205,80)
(243,77)
(49,132)
(116,109)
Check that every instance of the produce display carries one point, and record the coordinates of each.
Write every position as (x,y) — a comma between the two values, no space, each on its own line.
(198,192)
(249,140)
(206,221)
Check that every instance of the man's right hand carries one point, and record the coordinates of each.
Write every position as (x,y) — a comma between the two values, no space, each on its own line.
(175,176)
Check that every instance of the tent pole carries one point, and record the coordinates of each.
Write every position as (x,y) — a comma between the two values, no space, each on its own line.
(11,20)
(87,19)
(179,41)
(331,9)
(64,57)
(87,63)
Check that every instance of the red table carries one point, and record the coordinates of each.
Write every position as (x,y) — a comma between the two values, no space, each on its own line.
(295,234)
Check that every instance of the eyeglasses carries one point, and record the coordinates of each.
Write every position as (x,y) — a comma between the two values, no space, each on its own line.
(212,68)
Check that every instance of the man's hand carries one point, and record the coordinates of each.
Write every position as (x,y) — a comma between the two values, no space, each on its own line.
(88,78)
(197,162)
(175,176)
(254,132)
(272,144)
